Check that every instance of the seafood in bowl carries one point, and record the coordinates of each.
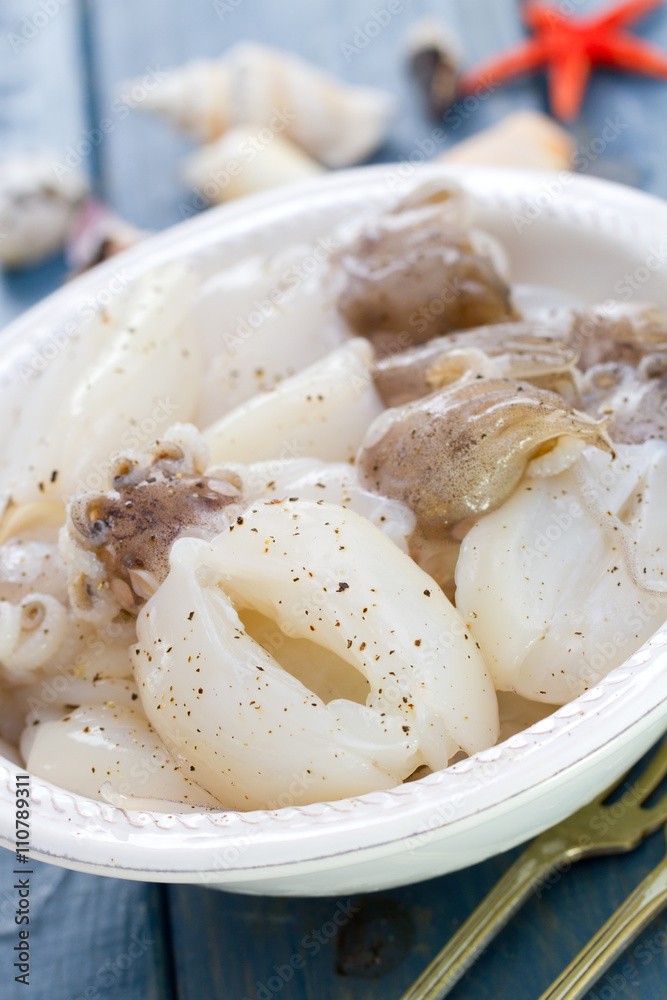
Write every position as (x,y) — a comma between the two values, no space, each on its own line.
(295,536)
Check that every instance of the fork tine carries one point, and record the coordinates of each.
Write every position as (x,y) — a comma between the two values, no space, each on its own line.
(649,779)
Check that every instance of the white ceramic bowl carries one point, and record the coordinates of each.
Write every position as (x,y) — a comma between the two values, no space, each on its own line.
(581,235)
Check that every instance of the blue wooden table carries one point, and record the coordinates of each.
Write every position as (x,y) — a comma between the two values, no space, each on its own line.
(61,64)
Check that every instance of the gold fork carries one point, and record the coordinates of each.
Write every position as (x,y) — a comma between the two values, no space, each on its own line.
(595,829)
(620,930)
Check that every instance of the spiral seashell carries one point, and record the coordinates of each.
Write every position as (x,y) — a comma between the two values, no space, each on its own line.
(435,56)
(242,161)
(254,84)
(97,234)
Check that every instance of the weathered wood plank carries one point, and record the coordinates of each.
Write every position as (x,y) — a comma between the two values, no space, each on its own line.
(241,947)
(90,937)
(141,155)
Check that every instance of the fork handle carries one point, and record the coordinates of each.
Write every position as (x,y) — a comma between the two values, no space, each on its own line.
(612,939)
(530,869)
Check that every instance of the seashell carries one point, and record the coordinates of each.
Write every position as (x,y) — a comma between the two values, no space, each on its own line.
(460,452)
(256,85)
(38,203)
(243,161)
(523,139)
(435,56)
(97,234)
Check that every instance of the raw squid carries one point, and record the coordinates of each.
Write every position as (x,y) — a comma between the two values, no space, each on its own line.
(117,544)
(110,752)
(260,321)
(460,452)
(634,400)
(418,274)
(569,577)
(618,332)
(517,350)
(246,727)
(323,411)
(143,379)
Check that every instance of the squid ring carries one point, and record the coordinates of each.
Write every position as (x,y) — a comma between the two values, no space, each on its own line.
(339,595)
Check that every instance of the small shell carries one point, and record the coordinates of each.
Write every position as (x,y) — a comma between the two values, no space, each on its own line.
(522,139)
(256,85)
(460,452)
(97,234)
(38,202)
(435,55)
(241,162)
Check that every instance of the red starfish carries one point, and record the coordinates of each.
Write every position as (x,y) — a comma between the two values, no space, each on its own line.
(570,48)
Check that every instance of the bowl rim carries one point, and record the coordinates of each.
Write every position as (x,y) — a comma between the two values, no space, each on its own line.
(81,833)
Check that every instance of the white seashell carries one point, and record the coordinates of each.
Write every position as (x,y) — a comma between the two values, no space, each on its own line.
(38,203)
(568,578)
(523,139)
(97,234)
(244,160)
(248,718)
(322,411)
(195,98)
(256,85)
